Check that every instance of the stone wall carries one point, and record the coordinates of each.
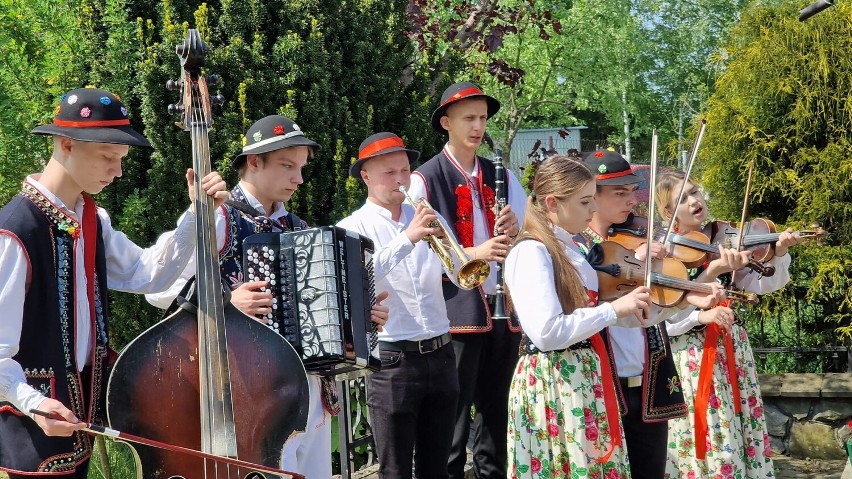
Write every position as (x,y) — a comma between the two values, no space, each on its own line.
(807,414)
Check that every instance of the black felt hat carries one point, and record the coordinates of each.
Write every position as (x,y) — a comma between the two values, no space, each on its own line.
(271,133)
(380,144)
(94,115)
(460,91)
(610,168)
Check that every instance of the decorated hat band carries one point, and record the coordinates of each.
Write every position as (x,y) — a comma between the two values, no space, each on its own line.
(380,145)
(615,175)
(273,139)
(463,94)
(90,124)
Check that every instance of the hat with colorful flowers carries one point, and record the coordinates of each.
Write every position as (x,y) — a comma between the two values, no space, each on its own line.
(93,115)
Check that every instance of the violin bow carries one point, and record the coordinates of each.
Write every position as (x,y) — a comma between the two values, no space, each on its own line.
(652,193)
(112,433)
(692,156)
(745,207)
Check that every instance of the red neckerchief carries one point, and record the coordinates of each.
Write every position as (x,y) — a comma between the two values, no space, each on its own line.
(464,202)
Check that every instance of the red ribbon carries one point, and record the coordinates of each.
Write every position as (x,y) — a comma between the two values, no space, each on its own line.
(380,145)
(705,383)
(614,175)
(88,124)
(463,94)
(610,399)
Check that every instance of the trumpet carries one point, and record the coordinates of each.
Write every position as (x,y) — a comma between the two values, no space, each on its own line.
(473,272)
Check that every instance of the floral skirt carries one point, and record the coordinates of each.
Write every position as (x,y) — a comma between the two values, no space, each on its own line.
(557,419)
(737,444)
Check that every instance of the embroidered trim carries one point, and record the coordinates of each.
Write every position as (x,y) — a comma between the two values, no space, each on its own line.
(54,213)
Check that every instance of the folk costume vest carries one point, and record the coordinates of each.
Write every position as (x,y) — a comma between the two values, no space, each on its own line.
(455,197)
(662,398)
(48,337)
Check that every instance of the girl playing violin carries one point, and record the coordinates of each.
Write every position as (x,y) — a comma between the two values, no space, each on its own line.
(564,365)
(726,435)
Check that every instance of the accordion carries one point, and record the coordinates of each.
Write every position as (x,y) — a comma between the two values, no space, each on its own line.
(323,289)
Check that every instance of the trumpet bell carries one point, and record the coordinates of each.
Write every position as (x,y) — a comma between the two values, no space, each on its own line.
(473,273)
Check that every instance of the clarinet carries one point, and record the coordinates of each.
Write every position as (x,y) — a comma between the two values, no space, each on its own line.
(501,196)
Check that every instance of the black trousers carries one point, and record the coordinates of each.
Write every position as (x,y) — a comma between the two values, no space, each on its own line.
(485,363)
(646,441)
(411,402)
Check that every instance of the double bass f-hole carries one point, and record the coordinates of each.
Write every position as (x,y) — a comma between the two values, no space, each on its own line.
(211,378)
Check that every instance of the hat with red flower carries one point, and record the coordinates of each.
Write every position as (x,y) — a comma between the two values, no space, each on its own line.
(271,133)
(92,115)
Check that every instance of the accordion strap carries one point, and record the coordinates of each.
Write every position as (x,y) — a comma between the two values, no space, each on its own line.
(244,207)
(291,221)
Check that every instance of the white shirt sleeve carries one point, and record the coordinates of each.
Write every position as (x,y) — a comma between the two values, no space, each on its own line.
(517,197)
(137,270)
(384,257)
(529,276)
(14,270)
(751,281)
(685,325)
(164,299)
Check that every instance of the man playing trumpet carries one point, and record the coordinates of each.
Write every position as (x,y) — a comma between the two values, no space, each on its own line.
(409,399)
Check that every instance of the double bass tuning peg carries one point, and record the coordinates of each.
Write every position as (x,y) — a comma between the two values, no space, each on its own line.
(213,79)
(175,109)
(217,99)
(172,85)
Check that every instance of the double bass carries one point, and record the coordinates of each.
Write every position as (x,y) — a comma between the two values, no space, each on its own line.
(207,377)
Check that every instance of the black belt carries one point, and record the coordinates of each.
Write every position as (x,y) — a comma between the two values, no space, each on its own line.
(422,347)
(527,347)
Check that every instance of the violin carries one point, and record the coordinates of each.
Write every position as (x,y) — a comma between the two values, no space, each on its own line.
(619,272)
(631,234)
(697,247)
(207,378)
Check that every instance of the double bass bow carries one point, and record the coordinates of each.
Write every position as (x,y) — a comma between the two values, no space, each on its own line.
(207,377)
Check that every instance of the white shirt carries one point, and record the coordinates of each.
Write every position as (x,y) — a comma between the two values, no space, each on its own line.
(529,276)
(517,199)
(163,299)
(410,273)
(748,281)
(128,268)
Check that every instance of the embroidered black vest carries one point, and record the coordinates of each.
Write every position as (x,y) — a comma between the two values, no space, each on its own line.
(662,397)
(467,310)
(47,346)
